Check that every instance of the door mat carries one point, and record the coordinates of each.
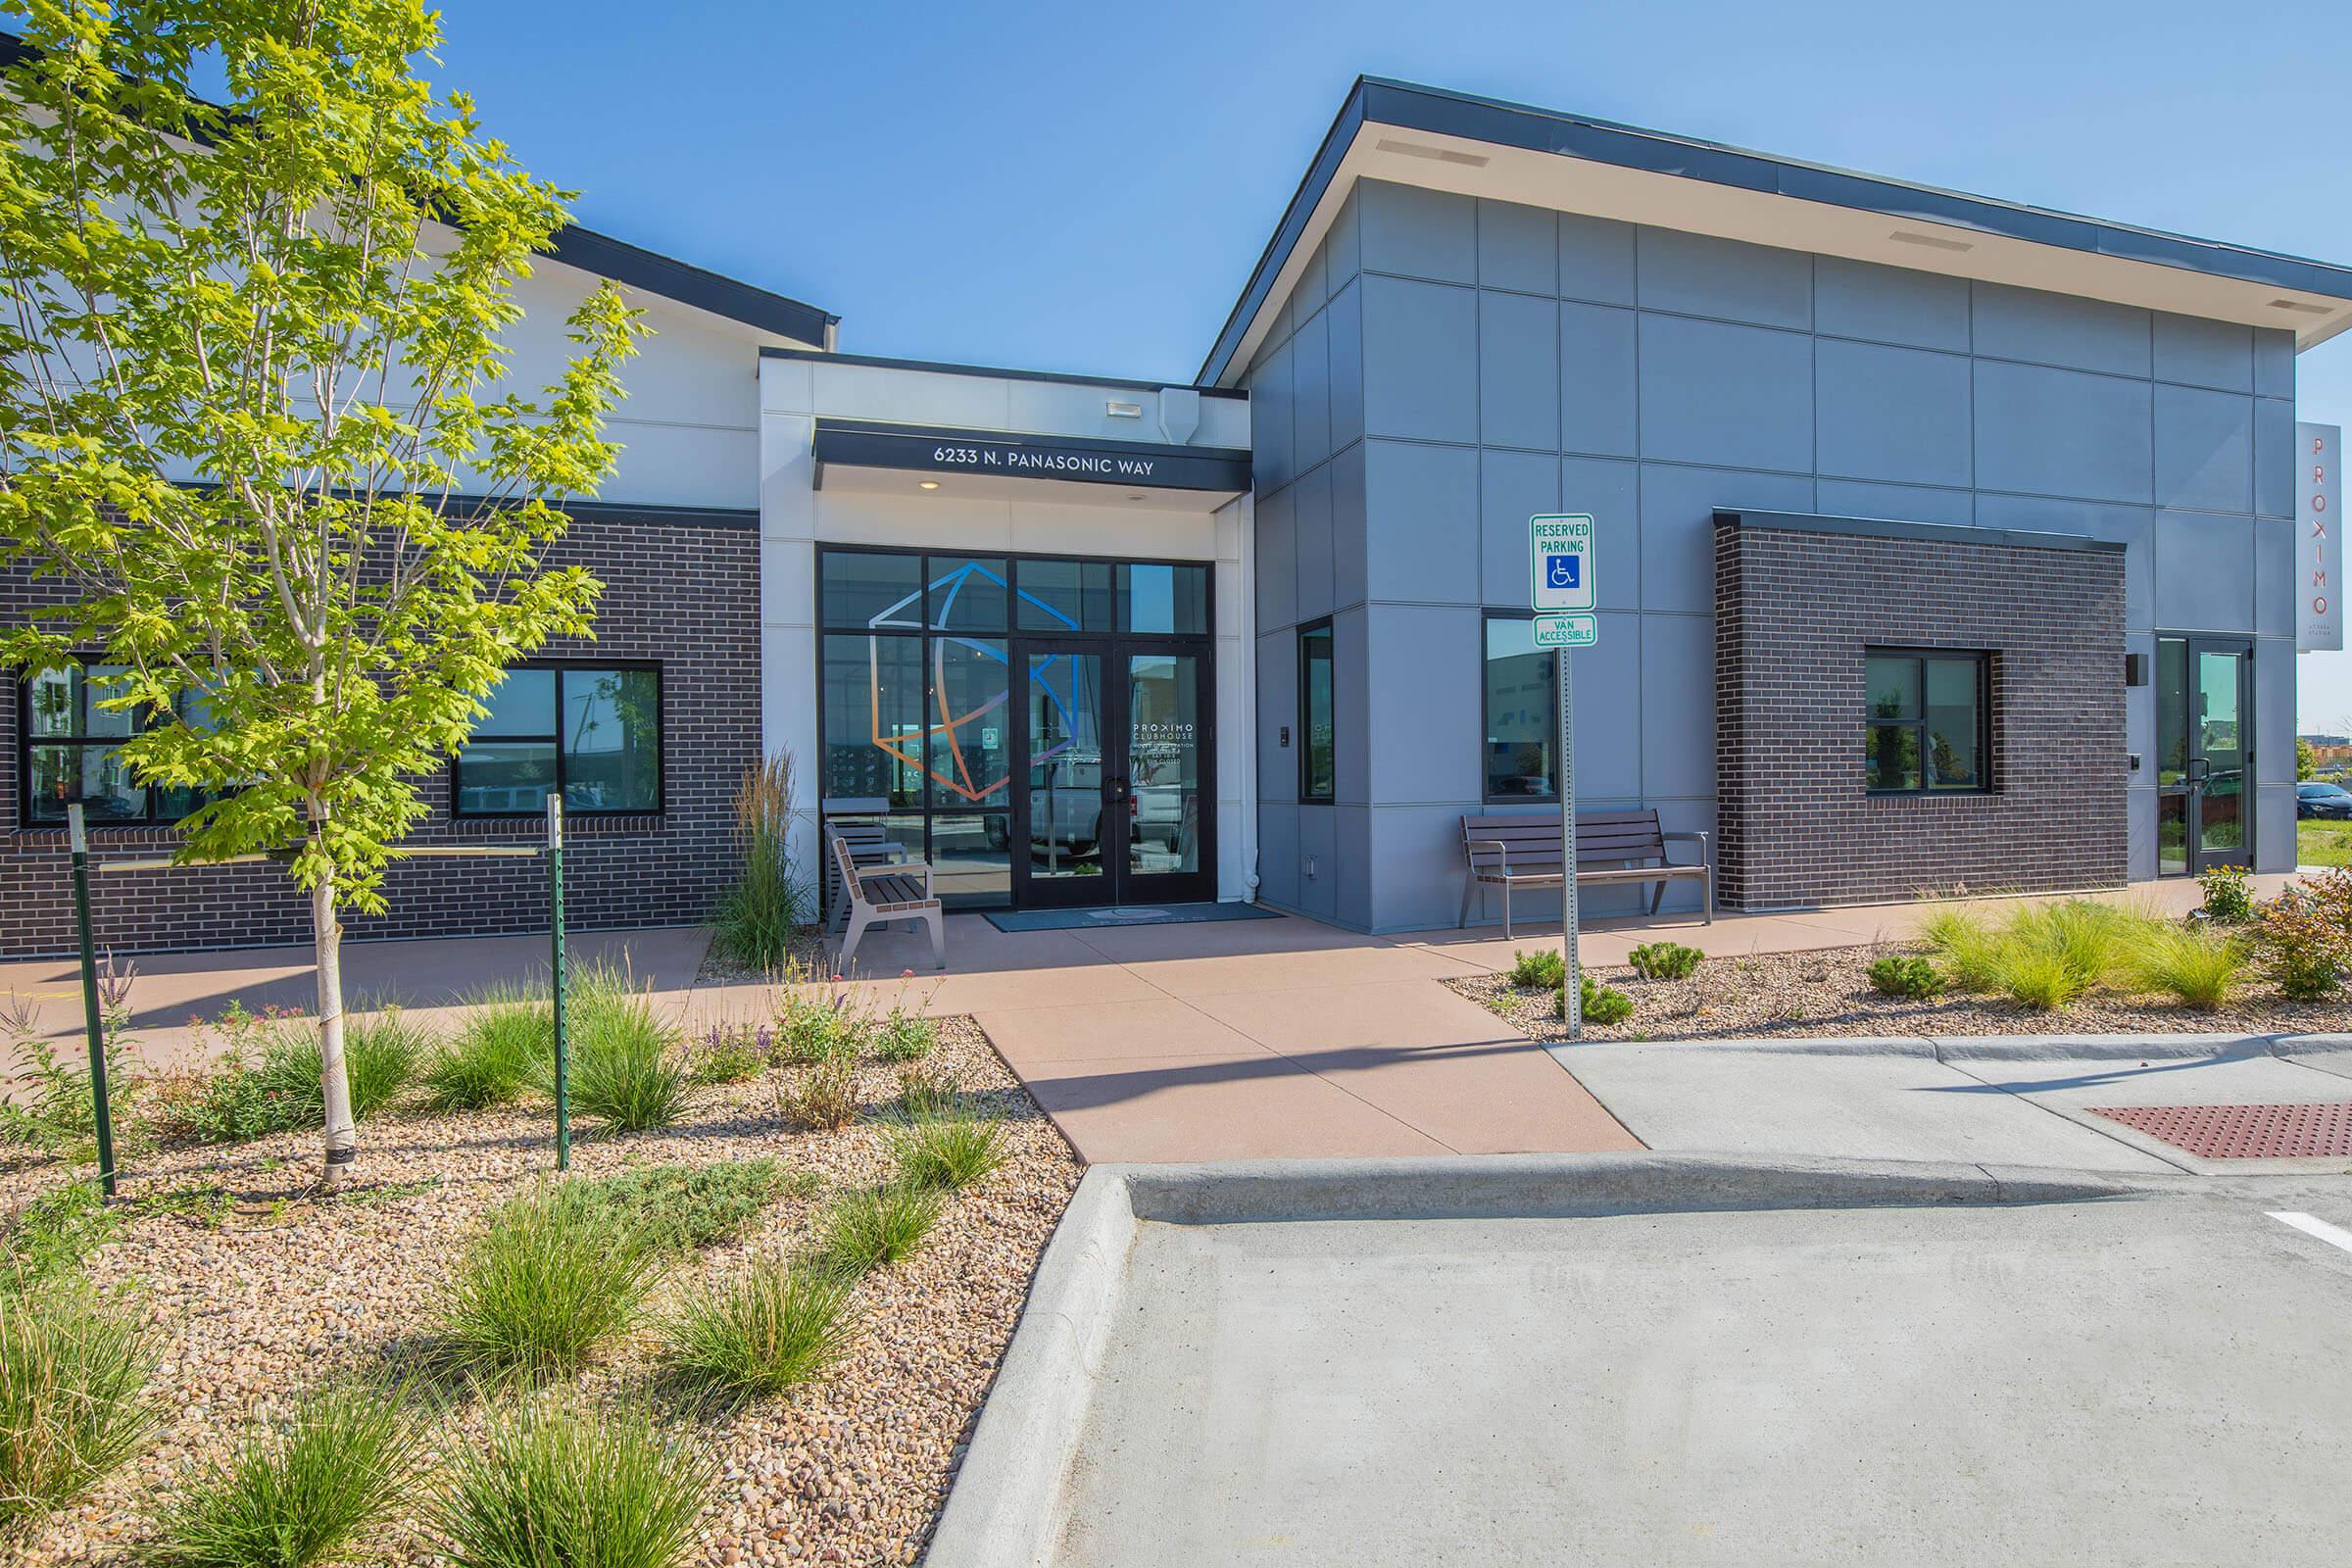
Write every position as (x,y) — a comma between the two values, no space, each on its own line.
(2244,1132)
(1103,920)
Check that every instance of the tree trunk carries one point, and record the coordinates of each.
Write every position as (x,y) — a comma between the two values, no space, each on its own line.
(342,1134)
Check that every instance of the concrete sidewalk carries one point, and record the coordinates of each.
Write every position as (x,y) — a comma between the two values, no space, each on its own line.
(1999,1100)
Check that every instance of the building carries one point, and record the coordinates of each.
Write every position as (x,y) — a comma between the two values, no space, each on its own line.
(1940,542)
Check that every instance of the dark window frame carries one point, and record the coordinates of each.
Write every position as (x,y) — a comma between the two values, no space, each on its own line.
(660,806)
(1204,643)
(1982,660)
(1307,794)
(27,742)
(1486,724)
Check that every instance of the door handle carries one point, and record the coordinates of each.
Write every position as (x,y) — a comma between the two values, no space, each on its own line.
(2197,770)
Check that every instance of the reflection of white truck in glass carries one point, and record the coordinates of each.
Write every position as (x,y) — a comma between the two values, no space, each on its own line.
(1066,816)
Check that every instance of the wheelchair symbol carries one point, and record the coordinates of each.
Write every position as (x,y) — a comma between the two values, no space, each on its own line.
(1560,571)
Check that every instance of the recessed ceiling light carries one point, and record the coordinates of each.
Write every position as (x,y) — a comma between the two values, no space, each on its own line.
(927,484)
(1135,494)
(1933,242)
(2298,306)
(1437,155)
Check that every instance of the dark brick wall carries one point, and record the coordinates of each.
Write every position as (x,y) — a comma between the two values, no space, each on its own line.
(1794,611)
(680,586)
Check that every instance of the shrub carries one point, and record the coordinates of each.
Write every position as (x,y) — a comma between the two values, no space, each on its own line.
(72,1373)
(951,1151)
(1970,949)
(505,1044)
(769,1328)
(1601,1005)
(729,1053)
(2304,952)
(381,1054)
(296,1496)
(903,1037)
(877,1225)
(2228,895)
(54,1112)
(48,1236)
(679,1208)
(624,1072)
(822,1097)
(764,913)
(548,1281)
(1905,975)
(1664,961)
(2199,967)
(555,1486)
(817,1021)
(1539,970)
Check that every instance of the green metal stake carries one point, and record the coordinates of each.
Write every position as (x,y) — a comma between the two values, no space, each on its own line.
(101,1110)
(555,900)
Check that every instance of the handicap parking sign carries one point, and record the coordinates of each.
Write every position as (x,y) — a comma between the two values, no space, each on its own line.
(1560,561)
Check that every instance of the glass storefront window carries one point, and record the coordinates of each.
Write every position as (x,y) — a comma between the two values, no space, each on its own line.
(1170,600)
(71,751)
(860,590)
(873,720)
(1522,708)
(971,857)
(967,593)
(1064,596)
(971,721)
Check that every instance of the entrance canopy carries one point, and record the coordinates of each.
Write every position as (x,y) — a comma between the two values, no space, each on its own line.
(859,453)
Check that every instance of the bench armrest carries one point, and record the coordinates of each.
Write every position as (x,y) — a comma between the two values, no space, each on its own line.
(1699,839)
(1496,844)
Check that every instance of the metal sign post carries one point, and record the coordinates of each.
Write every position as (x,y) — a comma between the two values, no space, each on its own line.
(1563,590)
(554,903)
(100,1110)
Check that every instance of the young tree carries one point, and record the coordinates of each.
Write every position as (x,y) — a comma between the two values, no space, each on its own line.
(2307,759)
(254,413)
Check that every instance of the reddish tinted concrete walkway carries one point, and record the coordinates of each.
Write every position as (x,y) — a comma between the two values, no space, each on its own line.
(1251,1038)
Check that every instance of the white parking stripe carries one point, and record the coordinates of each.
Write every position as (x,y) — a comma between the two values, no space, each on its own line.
(2332,1235)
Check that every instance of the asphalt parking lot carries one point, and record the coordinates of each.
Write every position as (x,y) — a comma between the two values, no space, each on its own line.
(2134,1380)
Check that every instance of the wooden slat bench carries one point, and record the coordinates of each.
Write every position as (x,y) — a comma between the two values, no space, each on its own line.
(878,896)
(1611,846)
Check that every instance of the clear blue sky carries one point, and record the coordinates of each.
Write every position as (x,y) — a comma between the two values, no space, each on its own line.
(1085,186)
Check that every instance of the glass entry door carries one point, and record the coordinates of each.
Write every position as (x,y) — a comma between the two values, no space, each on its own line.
(2204,754)
(1115,740)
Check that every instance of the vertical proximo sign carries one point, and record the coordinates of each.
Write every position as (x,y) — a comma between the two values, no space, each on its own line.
(2320,539)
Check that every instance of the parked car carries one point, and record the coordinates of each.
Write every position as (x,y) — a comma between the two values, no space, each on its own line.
(2313,798)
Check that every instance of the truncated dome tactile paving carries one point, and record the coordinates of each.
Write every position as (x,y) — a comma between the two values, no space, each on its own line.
(2243,1132)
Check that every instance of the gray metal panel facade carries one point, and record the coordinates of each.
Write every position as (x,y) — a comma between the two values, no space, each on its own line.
(1478,361)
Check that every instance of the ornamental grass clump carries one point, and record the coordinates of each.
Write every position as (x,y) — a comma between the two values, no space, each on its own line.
(562,1485)
(951,1151)
(772,1327)
(503,1046)
(74,1371)
(877,1225)
(302,1493)
(550,1280)
(382,1053)
(764,913)
(2200,969)
(625,1070)
(1968,948)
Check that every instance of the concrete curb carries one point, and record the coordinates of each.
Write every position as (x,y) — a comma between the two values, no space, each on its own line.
(1005,1509)
(1008,1506)
(1991,1047)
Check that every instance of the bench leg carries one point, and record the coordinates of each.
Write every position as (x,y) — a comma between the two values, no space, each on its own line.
(1658,895)
(938,922)
(1469,887)
(1706,890)
(858,917)
(1506,912)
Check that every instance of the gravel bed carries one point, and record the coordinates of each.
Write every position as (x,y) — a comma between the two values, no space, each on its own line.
(807,954)
(263,1291)
(1828,992)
